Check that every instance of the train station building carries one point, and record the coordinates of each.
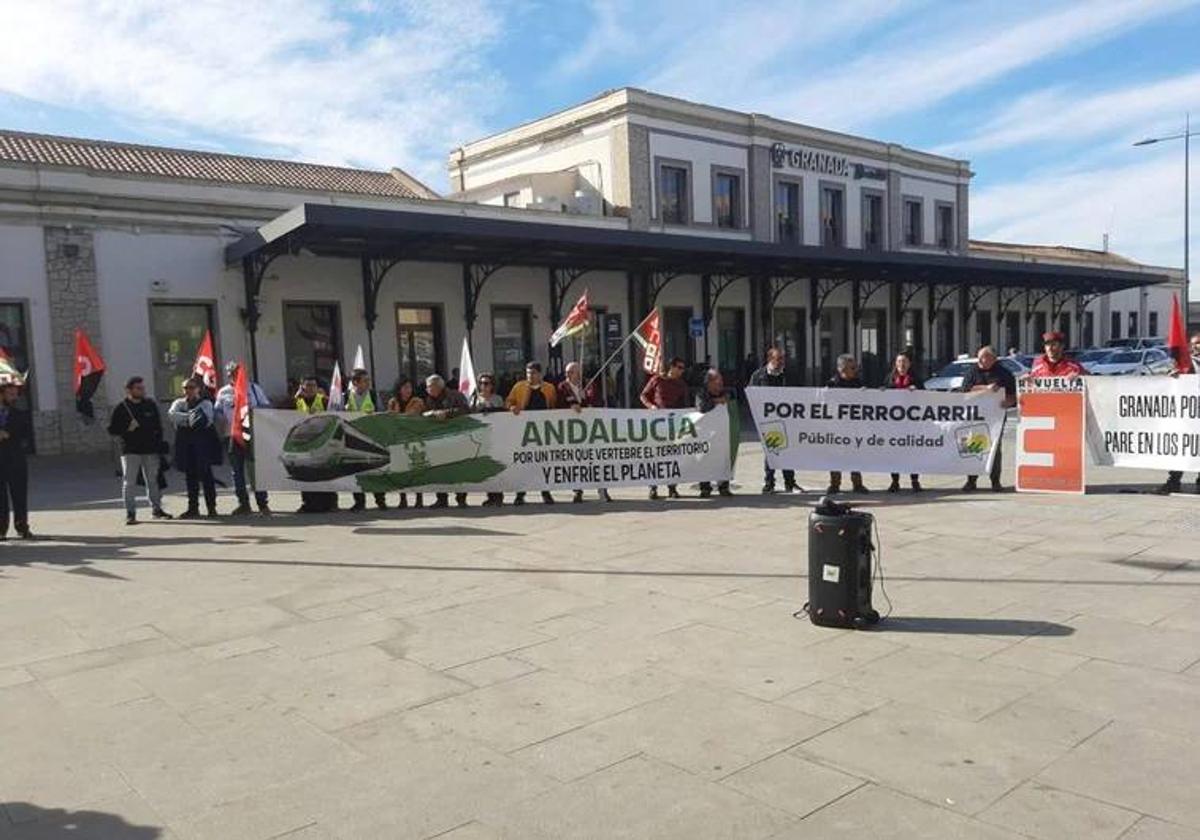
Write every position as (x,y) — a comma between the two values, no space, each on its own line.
(743,229)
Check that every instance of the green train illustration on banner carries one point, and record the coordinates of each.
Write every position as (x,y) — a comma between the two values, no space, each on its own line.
(385,455)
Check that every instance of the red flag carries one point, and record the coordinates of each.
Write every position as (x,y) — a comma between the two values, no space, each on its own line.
(1177,343)
(576,321)
(89,368)
(239,427)
(205,366)
(649,336)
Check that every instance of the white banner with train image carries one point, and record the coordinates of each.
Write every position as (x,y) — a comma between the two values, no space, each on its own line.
(491,453)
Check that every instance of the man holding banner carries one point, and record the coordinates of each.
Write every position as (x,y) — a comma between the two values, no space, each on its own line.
(1174,482)
(991,376)
(773,375)
(846,377)
(666,391)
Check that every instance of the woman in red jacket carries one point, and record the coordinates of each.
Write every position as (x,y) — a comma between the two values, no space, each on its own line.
(902,376)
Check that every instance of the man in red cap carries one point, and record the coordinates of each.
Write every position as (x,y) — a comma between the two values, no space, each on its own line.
(1052,363)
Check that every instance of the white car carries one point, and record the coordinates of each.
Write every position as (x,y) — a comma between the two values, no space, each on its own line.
(950,378)
(1135,362)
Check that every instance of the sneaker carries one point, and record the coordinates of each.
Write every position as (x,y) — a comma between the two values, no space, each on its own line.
(1168,488)
(672,493)
(264,510)
(493,500)
(724,491)
(403,501)
(159,513)
(439,504)
(654,494)
(460,499)
(24,533)
(916,485)
(705,492)
(131,519)
(997,487)
(833,489)
(894,487)
(768,488)
(547,499)
(791,487)
(970,486)
(381,504)
(861,489)
(577,497)
(243,509)
(519,499)
(358,507)
(212,514)
(190,513)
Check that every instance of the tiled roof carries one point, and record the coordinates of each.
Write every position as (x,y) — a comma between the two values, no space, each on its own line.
(1017,250)
(156,161)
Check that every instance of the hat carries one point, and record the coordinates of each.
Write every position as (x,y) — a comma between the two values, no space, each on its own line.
(1047,337)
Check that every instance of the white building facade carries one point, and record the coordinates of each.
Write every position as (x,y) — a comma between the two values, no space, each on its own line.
(132,244)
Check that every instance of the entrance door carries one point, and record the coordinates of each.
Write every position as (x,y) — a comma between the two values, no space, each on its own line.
(512,344)
(834,330)
(419,343)
(176,330)
(1012,331)
(944,331)
(731,341)
(872,330)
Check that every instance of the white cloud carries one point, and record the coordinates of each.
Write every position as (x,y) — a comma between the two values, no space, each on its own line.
(312,79)
(1063,115)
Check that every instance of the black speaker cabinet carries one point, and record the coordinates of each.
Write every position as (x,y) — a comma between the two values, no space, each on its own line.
(839,569)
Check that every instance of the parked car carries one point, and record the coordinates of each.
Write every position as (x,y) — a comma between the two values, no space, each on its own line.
(1136,343)
(950,377)
(1134,362)
(1092,356)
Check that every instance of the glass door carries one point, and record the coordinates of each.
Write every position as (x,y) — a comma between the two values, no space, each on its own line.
(176,330)
(419,343)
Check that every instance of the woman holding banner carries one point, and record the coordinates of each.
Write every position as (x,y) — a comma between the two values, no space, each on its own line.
(405,401)
(902,377)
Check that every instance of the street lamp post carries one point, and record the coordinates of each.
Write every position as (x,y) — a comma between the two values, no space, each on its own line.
(1186,136)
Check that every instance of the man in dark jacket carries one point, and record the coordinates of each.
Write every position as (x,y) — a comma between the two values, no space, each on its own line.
(16,435)
(773,375)
(710,396)
(666,391)
(989,375)
(136,421)
(846,377)
(442,404)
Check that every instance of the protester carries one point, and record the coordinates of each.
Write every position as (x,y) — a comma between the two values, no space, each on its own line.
(1174,482)
(16,436)
(223,416)
(989,375)
(902,377)
(196,446)
(846,377)
(532,394)
(1053,362)
(773,375)
(573,394)
(485,400)
(441,404)
(666,391)
(405,401)
(710,396)
(311,400)
(136,421)
(360,397)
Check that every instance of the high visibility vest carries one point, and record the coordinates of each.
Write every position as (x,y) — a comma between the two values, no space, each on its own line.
(367,405)
(318,404)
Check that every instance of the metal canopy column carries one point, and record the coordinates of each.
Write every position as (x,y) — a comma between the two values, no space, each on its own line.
(374,269)
(254,267)
(475,275)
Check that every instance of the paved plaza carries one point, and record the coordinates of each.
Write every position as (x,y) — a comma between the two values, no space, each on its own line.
(588,671)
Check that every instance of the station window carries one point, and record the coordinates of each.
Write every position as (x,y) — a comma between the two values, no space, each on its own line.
(673,194)
(787,211)
(1133,325)
(1153,325)
(176,330)
(1114,325)
(944,226)
(512,199)
(419,342)
(913,234)
(312,341)
(872,221)
(833,216)
(727,200)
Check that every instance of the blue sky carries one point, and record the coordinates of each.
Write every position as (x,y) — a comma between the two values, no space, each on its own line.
(1044,98)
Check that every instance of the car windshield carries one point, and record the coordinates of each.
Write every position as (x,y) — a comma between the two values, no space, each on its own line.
(1124,359)
(955,368)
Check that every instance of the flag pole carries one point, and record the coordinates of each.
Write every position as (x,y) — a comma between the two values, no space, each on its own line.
(609,360)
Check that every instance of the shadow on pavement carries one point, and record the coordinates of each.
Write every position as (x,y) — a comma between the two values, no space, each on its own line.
(32,821)
(432,531)
(974,626)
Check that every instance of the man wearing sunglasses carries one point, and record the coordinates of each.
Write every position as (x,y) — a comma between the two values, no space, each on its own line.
(1174,483)
(667,391)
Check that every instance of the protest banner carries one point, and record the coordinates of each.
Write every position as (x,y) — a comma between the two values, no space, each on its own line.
(1148,422)
(492,453)
(1050,435)
(877,431)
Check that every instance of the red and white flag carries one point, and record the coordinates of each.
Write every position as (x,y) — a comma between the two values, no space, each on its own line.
(239,428)
(466,371)
(648,335)
(89,368)
(576,321)
(205,366)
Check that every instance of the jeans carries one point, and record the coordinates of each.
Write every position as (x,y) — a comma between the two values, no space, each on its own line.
(14,482)
(131,466)
(789,477)
(237,463)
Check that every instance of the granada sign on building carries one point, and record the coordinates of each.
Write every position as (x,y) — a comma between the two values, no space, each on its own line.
(813,161)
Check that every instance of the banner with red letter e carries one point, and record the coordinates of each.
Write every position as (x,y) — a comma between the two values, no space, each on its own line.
(1051,434)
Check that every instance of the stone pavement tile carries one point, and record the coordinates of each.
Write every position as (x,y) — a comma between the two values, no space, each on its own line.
(470,831)
(523,711)
(1038,659)
(1126,642)
(99,687)
(350,687)
(222,625)
(873,811)
(651,613)
(1054,724)
(793,784)
(314,831)
(832,701)
(645,684)
(1140,696)
(1046,813)
(1135,768)
(455,636)
(596,656)
(955,685)
(318,638)
(1148,828)
(14,676)
(707,732)
(47,768)
(233,647)
(965,764)
(1186,617)
(564,625)
(741,599)
(634,800)
(491,670)
(40,639)
(530,606)
(97,658)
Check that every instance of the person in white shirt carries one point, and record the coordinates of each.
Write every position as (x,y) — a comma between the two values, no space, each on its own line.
(223,419)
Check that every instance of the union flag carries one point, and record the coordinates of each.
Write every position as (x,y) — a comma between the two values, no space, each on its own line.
(205,366)
(89,368)
(648,335)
